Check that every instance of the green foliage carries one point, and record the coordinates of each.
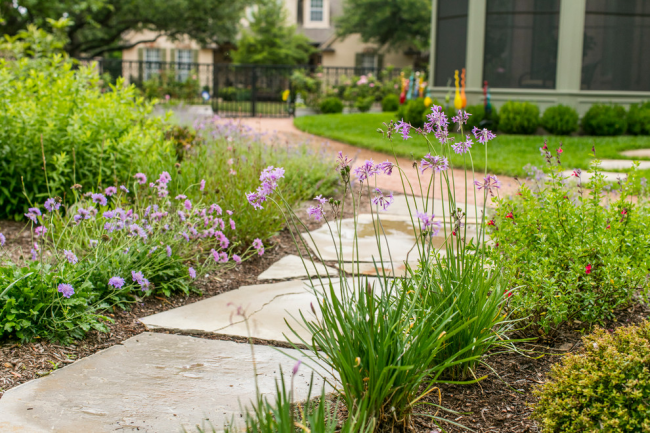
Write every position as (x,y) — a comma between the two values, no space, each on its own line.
(234,94)
(478,119)
(567,255)
(269,41)
(390,103)
(605,387)
(560,120)
(99,25)
(331,105)
(413,112)
(364,104)
(519,118)
(376,21)
(166,85)
(638,119)
(308,86)
(603,119)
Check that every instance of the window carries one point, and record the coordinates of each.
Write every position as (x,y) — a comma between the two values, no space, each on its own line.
(152,58)
(183,64)
(316,10)
(451,39)
(368,61)
(616,45)
(521,43)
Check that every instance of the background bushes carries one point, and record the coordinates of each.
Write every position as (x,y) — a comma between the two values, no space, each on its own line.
(331,105)
(413,112)
(560,120)
(478,117)
(390,103)
(519,118)
(602,119)
(638,119)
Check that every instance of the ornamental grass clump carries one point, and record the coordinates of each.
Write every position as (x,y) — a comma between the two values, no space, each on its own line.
(603,387)
(571,254)
(392,339)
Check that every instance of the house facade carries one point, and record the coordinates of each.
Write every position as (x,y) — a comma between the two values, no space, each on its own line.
(573,52)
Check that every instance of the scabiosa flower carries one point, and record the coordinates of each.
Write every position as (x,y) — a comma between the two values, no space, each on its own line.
(463,146)
(257,244)
(180,197)
(215,208)
(181,215)
(368,169)
(109,214)
(186,236)
(437,163)
(117,282)
(164,178)
(51,205)
(141,178)
(588,269)
(125,189)
(404,128)
(236,258)
(490,182)
(223,257)
(66,290)
(32,216)
(99,198)
(140,279)
(428,224)
(34,255)
(187,204)
(232,224)
(192,272)
(70,256)
(169,251)
(386,167)
(202,185)
(111,190)
(381,200)
(2,240)
(93,243)
(40,231)
(483,135)
(229,212)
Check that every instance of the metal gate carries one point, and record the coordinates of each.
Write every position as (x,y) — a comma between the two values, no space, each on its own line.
(252,90)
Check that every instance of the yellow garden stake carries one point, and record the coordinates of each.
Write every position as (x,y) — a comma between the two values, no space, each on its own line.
(285,95)
(463,97)
(457,102)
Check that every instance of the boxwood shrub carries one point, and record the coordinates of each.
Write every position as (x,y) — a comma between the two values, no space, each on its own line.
(331,105)
(605,387)
(390,103)
(638,119)
(478,117)
(519,118)
(605,119)
(560,120)
(413,112)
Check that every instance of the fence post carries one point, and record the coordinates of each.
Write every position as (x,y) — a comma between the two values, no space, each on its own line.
(253,90)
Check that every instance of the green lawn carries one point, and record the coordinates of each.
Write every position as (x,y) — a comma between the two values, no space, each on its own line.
(508,154)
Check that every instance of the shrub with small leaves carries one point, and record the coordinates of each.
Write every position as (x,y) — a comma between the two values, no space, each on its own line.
(603,119)
(519,118)
(413,112)
(605,387)
(364,104)
(331,105)
(638,119)
(479,119)
(560,120)
(390,103)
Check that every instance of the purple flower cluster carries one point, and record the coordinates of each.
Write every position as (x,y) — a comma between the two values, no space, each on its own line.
(66,290)
(382,200)
(483,135)
(141,280)
(438,123)
(428,223)
(2,240)
(437,163)
(141,178)
(269,178)
(192,272)
(257,244)
(33,214)
(100,199)
(40,231)
(462,118)
(404,128)
(110,191)
(489,184)
(117,282)
(70,257)
(317,211)
(463,146)
(369,169)
(51,205)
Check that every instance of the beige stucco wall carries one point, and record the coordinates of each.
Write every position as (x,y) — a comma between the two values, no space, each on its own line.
(205,55)
(346,49)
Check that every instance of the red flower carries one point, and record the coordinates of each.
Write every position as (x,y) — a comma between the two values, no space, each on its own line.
(624,212)
(607,226)
(490,223)
(559,151)
(566,197)
(588,269)
(453,233)
(575,173)
(510,216)
(509,294)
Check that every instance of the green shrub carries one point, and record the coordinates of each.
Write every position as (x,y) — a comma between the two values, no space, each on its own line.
(518,118)
(234,94)
(569,256)
(638,119)
(603,119)
(363,104)
(413,112)
(605,387)
(560,120)
(49,110)
(390,102)
(331,105)
(478,119)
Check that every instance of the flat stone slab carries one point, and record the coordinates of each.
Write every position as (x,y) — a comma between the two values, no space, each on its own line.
(151,383)
(266,306)
(435,206)
(637,153)
(292,266)
(380,269)
(586,177)
(623,164)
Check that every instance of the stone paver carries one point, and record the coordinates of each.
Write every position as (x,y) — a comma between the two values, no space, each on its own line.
(637,153)
(586,177)
(151,383)
(292,266)
(435,206)
(380,269)
(623,164)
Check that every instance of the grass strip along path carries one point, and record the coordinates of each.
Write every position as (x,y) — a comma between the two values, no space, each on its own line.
(508,153)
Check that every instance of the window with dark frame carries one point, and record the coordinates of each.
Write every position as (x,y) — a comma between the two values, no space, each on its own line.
(451,39)
(316,10)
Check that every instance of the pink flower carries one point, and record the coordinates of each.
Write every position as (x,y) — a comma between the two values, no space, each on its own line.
(110,191)
(437,163)
(588,269)
(188,204)
(257,244)
(236,258)
(40,231)
(202,185)
(232,224)
(141,178)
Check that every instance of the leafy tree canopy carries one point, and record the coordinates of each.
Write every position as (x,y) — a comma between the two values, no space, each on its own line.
(98,26)
(269,41)
(396,23)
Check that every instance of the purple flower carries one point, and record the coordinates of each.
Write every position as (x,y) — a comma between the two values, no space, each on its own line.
(99,198)
(136,229)
(92,243)
(269,178)
(202,185)
(34,255)
(489,183)
(36,246)
(319,198)
(51,205)
(35,210)
(296,367)
(32,216)
(462,118)
(169,251)
(386,167)
(256,200)
(125,189)
(83,214)
(117,282)
(315,212)
(368,169)
(229,212)
(180,197)
(2,240)
(437,121)
(405,129)
(108,214)
(215,208)
(429,224)
(69,255)
(181,215)
(186,236)
(463,146)
(140,279)
(192,272)
(232,224)
(109,227)
(111,190)
(141,178)
(257,244)
(223,257)
(483,135)
(437,163)
(40,231)
(164,178)
(66,290)
(236,258)
(344,161)
(381,200)
(187,204)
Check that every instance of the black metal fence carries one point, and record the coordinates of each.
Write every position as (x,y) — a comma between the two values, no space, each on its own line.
(232,90)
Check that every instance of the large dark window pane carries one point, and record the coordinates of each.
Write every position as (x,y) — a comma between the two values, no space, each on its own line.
(521,43)
(451,39)
(616,54)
